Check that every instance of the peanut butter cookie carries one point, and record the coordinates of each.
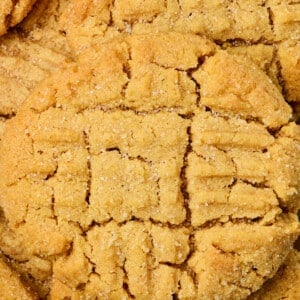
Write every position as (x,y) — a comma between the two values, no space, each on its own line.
(156,166)
(13,12)
(30,54)
(11,286)
(284,285)
(272,23)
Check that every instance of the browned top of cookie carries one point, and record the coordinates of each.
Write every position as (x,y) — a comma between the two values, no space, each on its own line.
(13,12)
(155,166)
(29,55)
(284,285)
(11,286)
(240,22)
(88,21)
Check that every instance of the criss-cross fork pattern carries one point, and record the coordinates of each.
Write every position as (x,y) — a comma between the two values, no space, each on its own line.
(154,191)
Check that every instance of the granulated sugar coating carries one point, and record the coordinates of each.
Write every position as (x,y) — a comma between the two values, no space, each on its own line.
(265,31)
(282,285)
(30,53)
(268,30)
(150,173)
(11,286)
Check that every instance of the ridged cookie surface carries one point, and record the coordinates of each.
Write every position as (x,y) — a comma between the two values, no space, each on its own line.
(13,12)
(11,286)
(272,23)
(30,55)
(284,285)
(156,166)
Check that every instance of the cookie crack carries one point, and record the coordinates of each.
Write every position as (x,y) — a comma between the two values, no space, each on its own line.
(190,72)
(7,116)
(8,17)
(89,167)
(218,222)
(125,280)
(93,271)
(184,190)
(127,71)
(279,75)
(187,223)
(179,5)
(271,18)
(192,250)
(136,111)
(53,205)
(235,42)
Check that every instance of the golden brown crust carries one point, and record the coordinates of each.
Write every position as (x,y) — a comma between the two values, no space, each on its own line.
(285,15)
(25,61)
(284,285)
(264,56)
(13,12)
(31,54)
(11,286)
(220,258)
(227,22)
(289,58)
(247,20)
(124,188)
(223,93)
(250,21)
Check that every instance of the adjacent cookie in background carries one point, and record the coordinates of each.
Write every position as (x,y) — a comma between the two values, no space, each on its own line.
(147,140)
(11,286)
(30,54)
(42,25)
(284,15)
(88,21)
(284,285)
(13,12)
(289,57)
(247,21)
(228,23)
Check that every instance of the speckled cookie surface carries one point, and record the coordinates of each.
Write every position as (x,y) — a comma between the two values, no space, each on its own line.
(11,286)
(221,20)
(31,54)
(157,166)
(13,12)
(272,23)
(87,21)
(284,285)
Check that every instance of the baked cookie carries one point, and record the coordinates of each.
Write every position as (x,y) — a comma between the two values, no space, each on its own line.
(285,19)
(284,285)
(21,268)
(87,21)
(30,54)
(229,23)
(223,21)
(42,25)
(13,12)
(23,64)
(264,56)
(2,126)
(157,166)
(11,286)
(289,57)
